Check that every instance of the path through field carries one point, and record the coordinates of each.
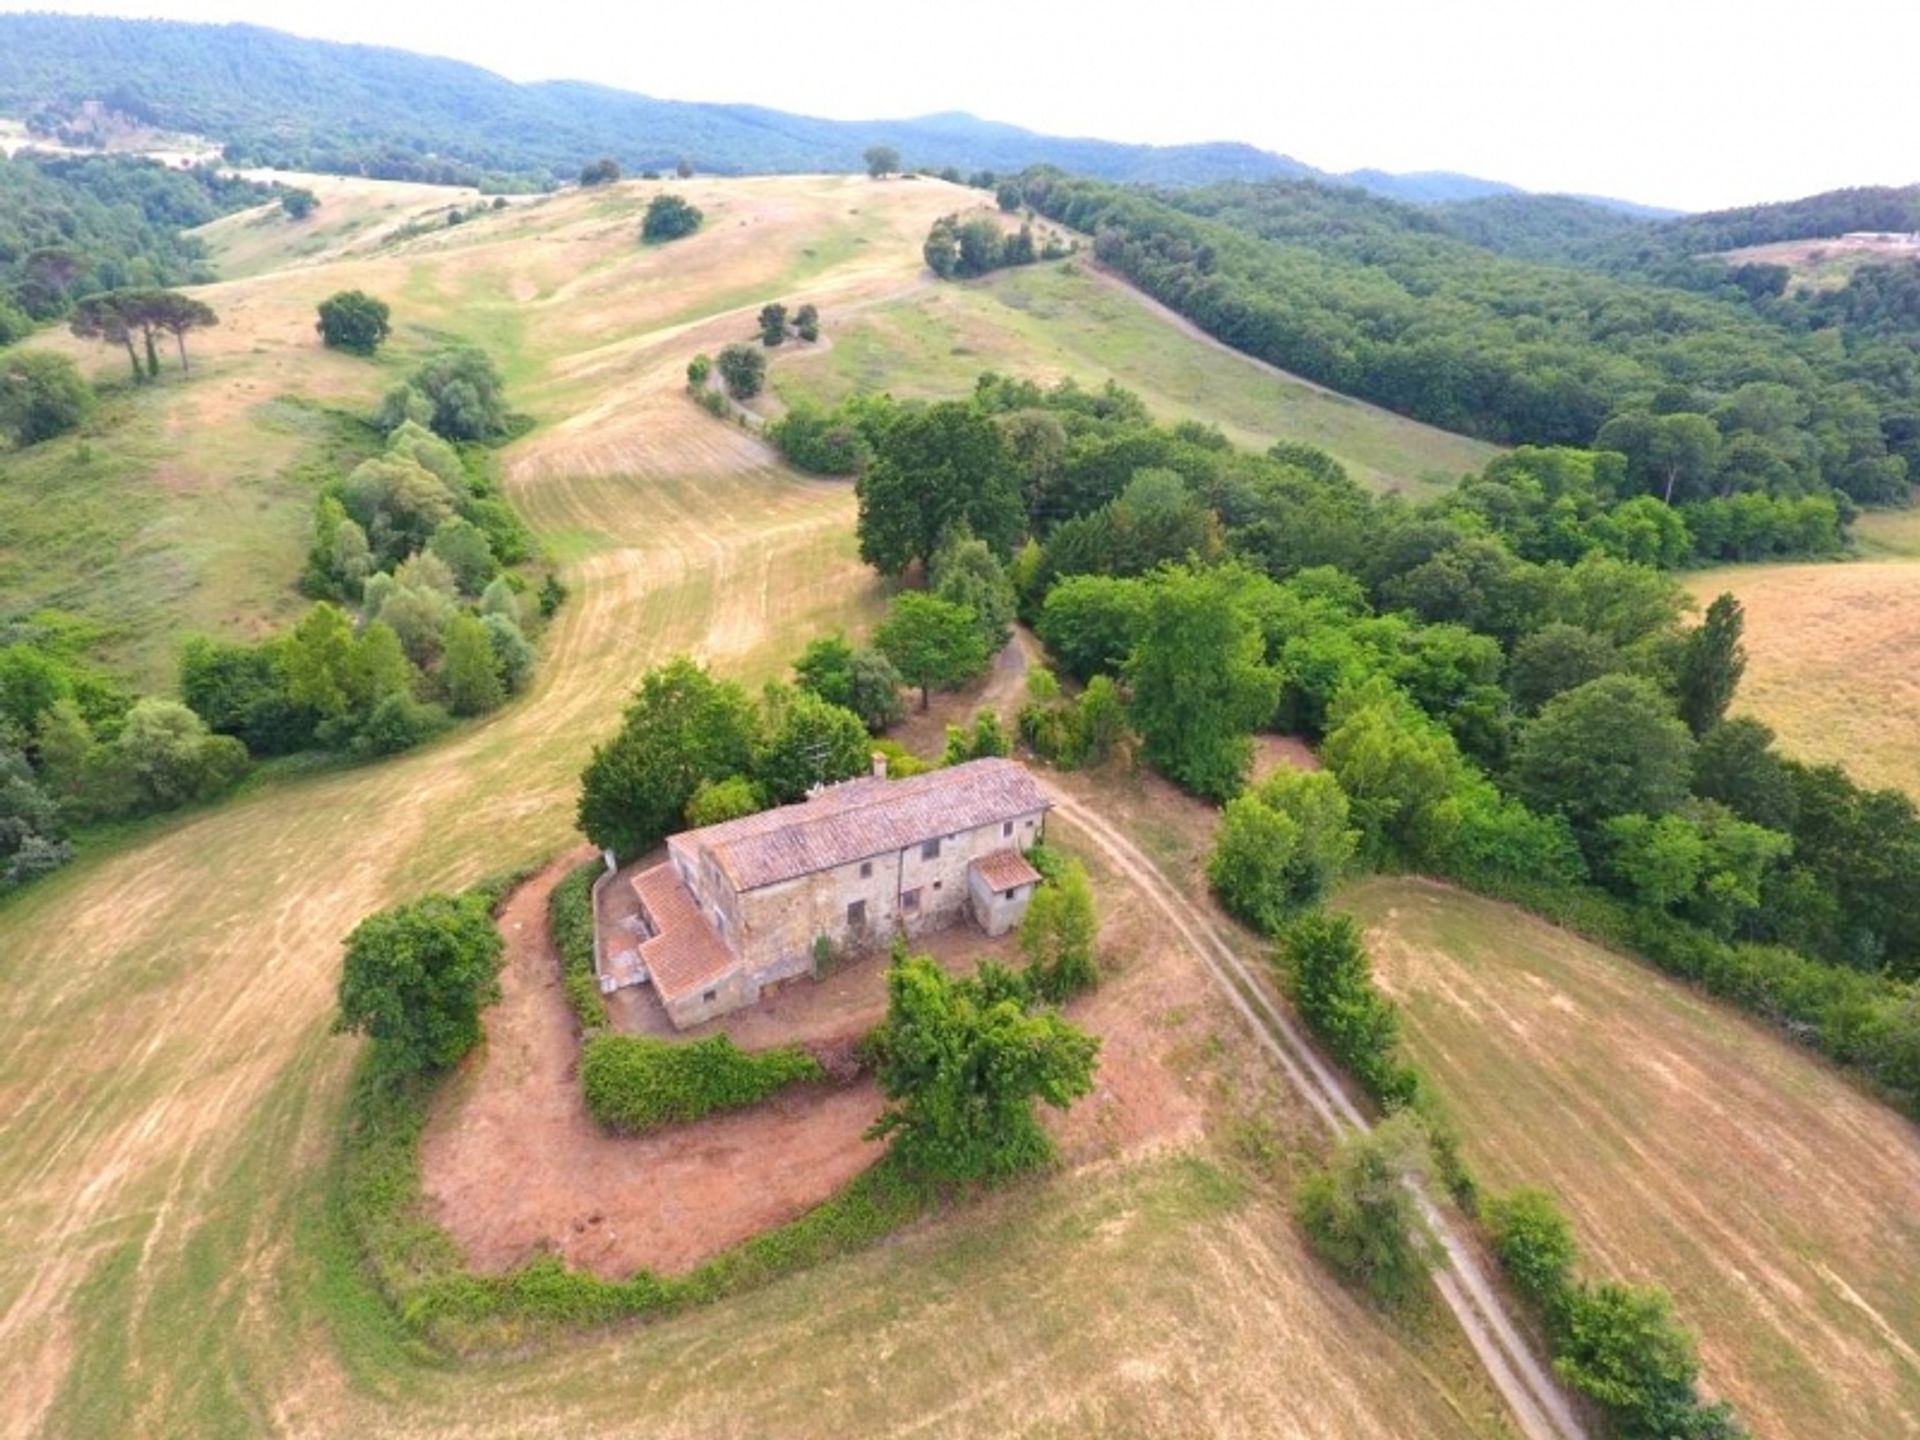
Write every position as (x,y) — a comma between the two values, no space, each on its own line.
(169,1094)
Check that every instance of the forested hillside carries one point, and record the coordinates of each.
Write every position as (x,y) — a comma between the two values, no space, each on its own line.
(276,99)
(72,225)
(1715,406)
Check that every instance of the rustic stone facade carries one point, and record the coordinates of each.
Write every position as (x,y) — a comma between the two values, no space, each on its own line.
(744,905)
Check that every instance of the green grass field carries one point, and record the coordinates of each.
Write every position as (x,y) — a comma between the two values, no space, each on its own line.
(169,1264)
(1691,1146)
(1057,320)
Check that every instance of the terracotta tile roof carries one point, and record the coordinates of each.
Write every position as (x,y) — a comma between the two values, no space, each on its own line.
(684,954)
(1004,869)
(862,818)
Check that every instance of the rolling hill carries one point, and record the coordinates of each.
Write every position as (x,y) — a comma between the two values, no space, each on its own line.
(279,100)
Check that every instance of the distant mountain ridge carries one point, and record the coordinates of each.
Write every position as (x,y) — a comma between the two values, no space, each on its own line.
(277,99)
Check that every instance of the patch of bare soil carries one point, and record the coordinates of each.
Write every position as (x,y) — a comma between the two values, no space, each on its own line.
(1281,752)
(513,1167)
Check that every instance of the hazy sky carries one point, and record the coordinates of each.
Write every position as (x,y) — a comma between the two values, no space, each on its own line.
(1690,103)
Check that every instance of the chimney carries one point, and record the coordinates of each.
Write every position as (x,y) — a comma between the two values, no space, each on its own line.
(879,766)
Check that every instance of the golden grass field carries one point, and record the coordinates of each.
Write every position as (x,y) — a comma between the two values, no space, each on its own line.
(170,1097)
(1831,654)
(1691,1146)
(1067,319)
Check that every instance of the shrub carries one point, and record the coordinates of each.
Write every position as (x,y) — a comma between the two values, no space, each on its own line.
(398,722)
(668,218)
(570,921)
(41,395)
(1279,848)
(1360,1214)
(716,801)
(634,1084)
(1059,931)
(1534,1244)
(1332,983)
(744,369)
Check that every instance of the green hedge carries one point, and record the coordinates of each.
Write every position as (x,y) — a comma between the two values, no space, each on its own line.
(570,919)
(634,1084)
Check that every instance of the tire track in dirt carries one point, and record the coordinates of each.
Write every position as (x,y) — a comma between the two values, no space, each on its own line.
(1538,1403)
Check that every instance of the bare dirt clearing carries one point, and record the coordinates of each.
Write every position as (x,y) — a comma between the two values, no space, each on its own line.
(1832,653)
(1692,1147)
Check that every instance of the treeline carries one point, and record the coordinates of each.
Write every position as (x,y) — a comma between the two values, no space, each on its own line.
(72,226)
(426,612)
(1502,683)
(1367,297)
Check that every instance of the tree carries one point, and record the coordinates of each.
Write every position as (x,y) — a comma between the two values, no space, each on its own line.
(1737,765)
(1331,981)
(41,396)
(32,838)
(962,1063)
(416,978)
(298,203)
(1280,847)
(1534,1244)
(469,668)
(173,313)
(882,161)
(810,742)
(773,323)
(965,571)
(933,643)
(110,318)
(512,653)
(464,549)
(744,369)
(942,248)
(1556,658)
(604,171)
(668,217)
(864,681)
(1059,932)
(698,369)
(167,758)
(715,802)
(1361,1215)
(239,690)
(354,321)
(1610,747)
(466,393)
(681,727)
(1711,665)
(1620,1345)
(683,167)
(933,471)
(806,322)
(1200,682)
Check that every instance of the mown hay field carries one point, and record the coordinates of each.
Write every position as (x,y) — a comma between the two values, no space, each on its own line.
(1692,1147)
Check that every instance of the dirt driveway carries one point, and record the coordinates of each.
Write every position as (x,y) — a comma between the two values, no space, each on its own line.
(513,1167)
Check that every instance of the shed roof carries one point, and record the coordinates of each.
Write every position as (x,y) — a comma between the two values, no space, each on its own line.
(862,818)
(1005,870)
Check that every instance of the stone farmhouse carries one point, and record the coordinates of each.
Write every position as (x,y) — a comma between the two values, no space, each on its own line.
(741,906)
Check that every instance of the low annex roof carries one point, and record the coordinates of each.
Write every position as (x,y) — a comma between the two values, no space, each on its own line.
(1005,870)
(683,954)
(864,817)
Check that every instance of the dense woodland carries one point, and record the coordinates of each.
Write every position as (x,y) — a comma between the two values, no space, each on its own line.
(1713,401)
(74,225)
(1503,682)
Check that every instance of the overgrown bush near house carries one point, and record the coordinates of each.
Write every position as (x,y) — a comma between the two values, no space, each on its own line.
(1060,930)
(1361,1216)
(634,1084)
(570,921)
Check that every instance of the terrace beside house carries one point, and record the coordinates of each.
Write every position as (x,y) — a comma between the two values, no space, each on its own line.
(743,906)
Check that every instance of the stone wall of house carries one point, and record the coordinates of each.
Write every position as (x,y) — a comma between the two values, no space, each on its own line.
(998,911)
(861,904)
(728,992)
